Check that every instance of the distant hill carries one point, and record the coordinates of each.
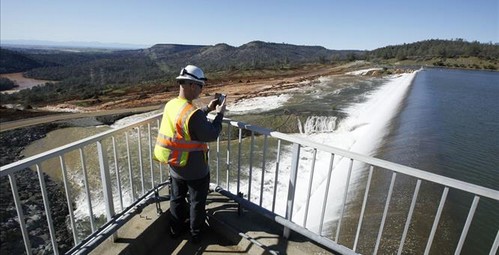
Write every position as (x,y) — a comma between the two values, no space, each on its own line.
(83,73)
(256,54)
(12,62)
(165,60)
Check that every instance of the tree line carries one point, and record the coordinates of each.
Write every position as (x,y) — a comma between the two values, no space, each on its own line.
(6,84)
(438,48)
(83,75)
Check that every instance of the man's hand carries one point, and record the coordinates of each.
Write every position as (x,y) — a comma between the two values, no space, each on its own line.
(213,104)
(221,107)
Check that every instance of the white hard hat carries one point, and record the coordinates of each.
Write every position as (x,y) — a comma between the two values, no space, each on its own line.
(192,73)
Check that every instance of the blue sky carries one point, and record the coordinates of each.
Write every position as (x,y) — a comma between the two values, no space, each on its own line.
(354,24)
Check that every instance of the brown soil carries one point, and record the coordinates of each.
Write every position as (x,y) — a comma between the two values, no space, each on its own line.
(154,97)
(235,88)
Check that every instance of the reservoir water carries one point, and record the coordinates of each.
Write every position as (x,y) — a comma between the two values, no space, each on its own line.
(443,121)
(449,125)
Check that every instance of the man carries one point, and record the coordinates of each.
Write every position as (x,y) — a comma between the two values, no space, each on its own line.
(182,143)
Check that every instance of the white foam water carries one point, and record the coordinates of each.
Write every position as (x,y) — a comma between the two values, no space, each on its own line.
(317,124)
(133,118)
(363,71)
(362,131)
(258,104)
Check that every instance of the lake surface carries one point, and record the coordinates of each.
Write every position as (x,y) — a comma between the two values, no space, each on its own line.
(451,120)
(449,125)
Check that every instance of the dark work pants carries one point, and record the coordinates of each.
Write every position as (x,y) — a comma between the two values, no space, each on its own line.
(198,191)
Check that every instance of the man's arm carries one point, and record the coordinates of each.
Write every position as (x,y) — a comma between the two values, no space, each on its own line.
(202,130)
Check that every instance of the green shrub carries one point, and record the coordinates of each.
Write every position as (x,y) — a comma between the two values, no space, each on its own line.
(6,84)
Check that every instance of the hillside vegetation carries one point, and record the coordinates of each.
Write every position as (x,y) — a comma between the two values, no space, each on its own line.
(92,74)
(445,53)
(11,62)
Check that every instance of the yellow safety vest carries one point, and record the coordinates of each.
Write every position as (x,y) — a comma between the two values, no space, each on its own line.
(174,141)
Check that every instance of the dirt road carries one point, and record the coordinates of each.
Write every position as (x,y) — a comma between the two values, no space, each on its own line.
(9,125)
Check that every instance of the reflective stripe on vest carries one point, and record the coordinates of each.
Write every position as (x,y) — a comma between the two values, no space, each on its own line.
(174,142)
(181,145)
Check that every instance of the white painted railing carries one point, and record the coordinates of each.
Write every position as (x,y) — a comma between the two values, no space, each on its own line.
(240,167)
(373,165)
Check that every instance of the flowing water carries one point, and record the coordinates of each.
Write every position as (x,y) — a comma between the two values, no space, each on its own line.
(442,121)
(449,125)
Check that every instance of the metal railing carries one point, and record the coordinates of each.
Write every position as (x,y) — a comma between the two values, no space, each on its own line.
(258,177)
(339,160)
(127,158)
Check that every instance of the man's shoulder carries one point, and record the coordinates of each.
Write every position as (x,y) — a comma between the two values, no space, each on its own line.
(174,100)
(171,102)
(198,114)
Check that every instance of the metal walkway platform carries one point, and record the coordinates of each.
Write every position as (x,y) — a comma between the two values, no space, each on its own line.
(227,233)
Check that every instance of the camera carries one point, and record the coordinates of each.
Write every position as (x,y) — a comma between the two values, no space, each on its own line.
(220,97)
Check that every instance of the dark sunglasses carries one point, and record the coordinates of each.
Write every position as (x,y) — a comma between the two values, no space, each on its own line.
(184,72)
(182,82)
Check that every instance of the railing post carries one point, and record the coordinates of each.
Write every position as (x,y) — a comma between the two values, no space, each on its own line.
(250,176)
(310,182)
(129,157)
(48,213)
(150,153)
(292,186)
(385,213)
(344,201)
(117,169)
(106,182)
(495,245)
(141,165)
(276,176)
(471,213)
(239,143)
(69,199)
(161,174)
(324,202)
(364,203)
(436,220)
(263,168)
(20,214)
(218,161)
(228,154)
(87,189)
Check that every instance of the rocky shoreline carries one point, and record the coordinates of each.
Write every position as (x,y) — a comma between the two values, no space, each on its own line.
(28,184)
(12,143)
